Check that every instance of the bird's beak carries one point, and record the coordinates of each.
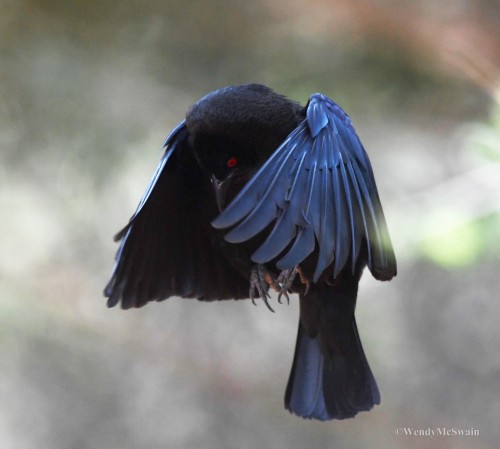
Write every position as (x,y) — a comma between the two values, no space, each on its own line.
(220,190)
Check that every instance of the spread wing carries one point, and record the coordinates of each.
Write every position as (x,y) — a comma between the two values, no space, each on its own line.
(318,191)
(167,247)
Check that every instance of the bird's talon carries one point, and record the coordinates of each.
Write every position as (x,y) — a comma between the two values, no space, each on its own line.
(266,302)
(285,294)
(260,281)
(286,279)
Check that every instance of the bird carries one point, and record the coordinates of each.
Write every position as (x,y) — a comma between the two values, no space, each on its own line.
(254,193)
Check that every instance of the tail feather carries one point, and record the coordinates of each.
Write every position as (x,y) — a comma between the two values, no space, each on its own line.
(330,376)
(304,393)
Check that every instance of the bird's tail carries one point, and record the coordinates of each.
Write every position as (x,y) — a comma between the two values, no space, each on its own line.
(330,377)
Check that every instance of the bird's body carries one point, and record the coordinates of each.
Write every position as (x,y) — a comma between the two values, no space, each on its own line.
(296,190)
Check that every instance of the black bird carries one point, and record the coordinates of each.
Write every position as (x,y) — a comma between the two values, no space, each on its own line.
(295,188)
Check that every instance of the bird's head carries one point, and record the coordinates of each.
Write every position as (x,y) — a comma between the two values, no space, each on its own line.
(226,161)
(235,129)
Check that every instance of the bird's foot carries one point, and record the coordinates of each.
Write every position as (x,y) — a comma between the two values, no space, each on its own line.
(260,281)
(286,278)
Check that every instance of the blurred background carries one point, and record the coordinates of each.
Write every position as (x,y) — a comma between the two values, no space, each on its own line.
(88,92)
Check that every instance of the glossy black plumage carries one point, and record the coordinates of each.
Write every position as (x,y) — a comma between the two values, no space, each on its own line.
(248,178)
(167,247)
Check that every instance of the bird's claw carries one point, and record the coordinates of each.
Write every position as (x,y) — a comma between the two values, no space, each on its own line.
(260,281)
(286,278)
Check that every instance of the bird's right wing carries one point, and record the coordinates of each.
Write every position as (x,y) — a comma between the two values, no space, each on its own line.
(167,247)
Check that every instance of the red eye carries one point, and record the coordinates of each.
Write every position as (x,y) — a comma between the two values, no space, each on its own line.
(232,162)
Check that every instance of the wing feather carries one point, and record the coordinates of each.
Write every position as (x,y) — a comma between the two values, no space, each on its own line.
(166,248)
(374,232)
(326,236)
(317,191)
(342,225)
(356,236)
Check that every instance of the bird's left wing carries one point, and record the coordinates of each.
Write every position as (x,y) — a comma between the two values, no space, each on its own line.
(317,190)
(167,248)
